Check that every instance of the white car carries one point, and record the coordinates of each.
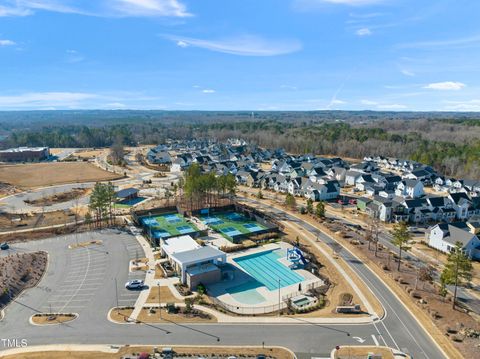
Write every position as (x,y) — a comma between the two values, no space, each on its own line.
(134,284)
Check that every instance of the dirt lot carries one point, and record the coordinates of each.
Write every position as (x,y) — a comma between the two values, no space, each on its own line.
(88,153)
(277,353)
(47,174)
(166,296)
(19,272)
(6,189)
(59,197)
(10,222)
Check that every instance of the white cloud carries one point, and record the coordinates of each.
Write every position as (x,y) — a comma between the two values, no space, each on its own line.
(208,91)
(115,106)
(449,43)
(14,11)
(150,8)
(182,44)
(383,106)
(73,56)
(392,106)
(407,72)
(309,4)
(6,43)
(445,86)
(44,99)
(470,105)
(338,102)
(364,31)
(247,45)
(102,8)
(369,102)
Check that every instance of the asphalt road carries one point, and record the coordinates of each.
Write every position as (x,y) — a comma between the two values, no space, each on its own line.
(16,203)
(398,329)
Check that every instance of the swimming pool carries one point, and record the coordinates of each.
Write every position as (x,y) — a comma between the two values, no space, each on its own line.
(266,269)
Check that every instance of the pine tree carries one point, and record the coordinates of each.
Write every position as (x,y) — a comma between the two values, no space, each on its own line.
(458,269)
(401,239)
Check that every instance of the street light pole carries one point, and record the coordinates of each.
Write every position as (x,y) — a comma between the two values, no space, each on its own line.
(159,301)
(278,296)
(116,293)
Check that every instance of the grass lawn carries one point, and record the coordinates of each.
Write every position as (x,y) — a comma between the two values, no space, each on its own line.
(231,224)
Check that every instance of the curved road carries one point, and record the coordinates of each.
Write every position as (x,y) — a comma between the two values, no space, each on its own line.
(397,329)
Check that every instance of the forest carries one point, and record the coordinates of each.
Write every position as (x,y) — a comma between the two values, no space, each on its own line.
(449,142)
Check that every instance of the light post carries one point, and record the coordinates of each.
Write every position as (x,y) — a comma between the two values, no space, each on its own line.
(278,296)
(159,301)
(116,293)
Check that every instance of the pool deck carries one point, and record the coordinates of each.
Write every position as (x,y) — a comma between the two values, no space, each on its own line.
(220,290)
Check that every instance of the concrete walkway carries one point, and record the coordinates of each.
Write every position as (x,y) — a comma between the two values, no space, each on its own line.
(150,280)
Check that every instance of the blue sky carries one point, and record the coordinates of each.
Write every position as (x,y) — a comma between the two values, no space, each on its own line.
(240,54)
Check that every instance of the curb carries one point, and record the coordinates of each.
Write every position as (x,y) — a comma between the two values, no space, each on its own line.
(30,320)
(3,311)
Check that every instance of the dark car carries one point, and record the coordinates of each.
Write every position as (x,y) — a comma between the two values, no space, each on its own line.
(4,246)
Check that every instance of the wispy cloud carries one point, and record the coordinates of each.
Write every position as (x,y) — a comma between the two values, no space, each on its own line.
(44,99)
(407,72)
(247,45)
(391,106)
(73,56)
(445,86)
(101,8)
(468,105)
(309,4)
(364,31)
(383,106)
(448,43)
(5,42)
(208,91)
(172,8)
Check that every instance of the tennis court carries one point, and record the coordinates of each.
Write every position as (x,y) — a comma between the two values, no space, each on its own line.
(231,224)
(167,225)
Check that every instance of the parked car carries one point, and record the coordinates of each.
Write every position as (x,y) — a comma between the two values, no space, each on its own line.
(4,246)
(134,284)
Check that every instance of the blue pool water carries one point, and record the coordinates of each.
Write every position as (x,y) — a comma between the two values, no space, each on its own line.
(266,269)
(246,293)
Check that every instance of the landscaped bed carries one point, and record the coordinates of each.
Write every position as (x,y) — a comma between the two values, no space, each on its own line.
(152,315)
(187,351)
(52,318)
(18,272)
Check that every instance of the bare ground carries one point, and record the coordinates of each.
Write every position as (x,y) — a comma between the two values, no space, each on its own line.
(19,272)
(48,174)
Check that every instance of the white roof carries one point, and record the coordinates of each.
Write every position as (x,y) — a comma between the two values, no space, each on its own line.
(179,244)
(25,149)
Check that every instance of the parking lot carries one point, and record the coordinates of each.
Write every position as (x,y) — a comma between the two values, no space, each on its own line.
(80,280)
